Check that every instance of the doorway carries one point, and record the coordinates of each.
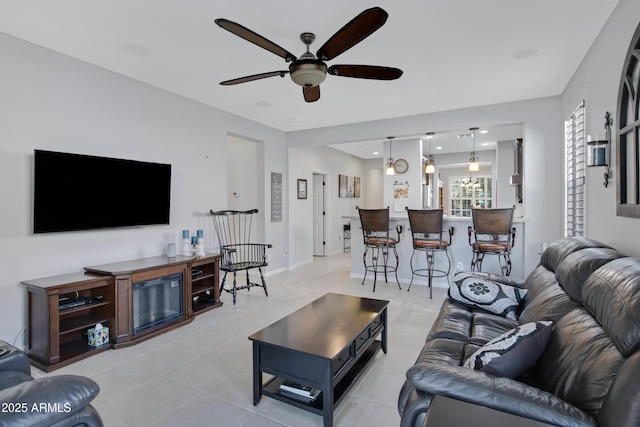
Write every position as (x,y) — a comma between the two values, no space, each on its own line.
(245,176)
(319,214)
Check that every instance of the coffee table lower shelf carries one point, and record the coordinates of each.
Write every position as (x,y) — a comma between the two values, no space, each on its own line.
(272,387)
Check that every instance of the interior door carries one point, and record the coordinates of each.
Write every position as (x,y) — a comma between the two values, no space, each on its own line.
(318,215)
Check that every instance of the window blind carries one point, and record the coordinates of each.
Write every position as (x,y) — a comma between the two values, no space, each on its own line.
(575,172)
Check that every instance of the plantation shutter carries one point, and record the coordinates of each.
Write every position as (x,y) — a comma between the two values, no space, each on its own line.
(575,172)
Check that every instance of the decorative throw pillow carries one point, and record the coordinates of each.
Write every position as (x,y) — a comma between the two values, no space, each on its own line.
(513,352)
(492,296)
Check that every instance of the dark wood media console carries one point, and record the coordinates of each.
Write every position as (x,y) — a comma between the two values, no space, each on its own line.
(61,309)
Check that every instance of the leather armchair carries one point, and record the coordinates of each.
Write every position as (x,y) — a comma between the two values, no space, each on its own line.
(61,400)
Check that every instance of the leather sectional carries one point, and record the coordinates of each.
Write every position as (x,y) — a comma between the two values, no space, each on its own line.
(589,371)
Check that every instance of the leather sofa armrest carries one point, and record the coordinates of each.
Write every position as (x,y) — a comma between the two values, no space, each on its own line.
(14,360)
(445,411)
(46,401)
(502,394)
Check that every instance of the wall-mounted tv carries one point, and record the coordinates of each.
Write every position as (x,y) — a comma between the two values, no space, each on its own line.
(81,192)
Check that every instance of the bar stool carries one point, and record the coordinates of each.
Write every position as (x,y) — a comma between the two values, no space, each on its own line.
(375,231)
(426,231)
(492,234)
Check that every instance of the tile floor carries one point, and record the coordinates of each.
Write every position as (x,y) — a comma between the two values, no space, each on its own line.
(200,374)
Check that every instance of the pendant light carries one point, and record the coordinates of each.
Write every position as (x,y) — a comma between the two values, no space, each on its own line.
(390,169)
(471,183)
(430,166)
(474,166)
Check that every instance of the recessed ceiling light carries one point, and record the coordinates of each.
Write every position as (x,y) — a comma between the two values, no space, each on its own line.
(262,104)
(438,148)
(484,131)
(137,49)
(525,53)
(375,152)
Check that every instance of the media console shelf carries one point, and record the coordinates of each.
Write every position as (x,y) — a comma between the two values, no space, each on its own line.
(205,284)
(58,337)
(136,299)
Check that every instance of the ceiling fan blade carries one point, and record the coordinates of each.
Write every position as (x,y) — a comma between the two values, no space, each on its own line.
(365,72)
(311,94)
(356,30)
(254,77)
(255,38)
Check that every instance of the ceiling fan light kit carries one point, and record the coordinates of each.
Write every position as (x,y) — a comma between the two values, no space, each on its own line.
(309,71)
(309,75)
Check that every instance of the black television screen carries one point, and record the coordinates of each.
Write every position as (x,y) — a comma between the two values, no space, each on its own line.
(80,192)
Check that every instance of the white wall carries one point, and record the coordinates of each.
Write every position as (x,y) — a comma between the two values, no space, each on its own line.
(596,81)
(374,190)
(505,159)
(50,101)
(303,162)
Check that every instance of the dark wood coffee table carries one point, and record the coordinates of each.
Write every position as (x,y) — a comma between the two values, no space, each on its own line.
(325,345)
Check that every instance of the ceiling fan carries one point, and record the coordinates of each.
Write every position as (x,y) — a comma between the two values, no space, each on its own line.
(310,70)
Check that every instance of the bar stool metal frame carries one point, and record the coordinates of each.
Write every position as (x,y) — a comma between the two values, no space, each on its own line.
(375,233)
(492,234)
(426,232)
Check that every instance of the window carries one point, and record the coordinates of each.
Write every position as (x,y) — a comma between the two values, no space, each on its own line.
(469,192)
(628,132)
(574,173)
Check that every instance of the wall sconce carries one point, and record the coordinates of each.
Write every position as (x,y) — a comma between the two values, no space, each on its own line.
(599,151)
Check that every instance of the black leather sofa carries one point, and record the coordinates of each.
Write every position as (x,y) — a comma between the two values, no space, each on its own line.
(589,372)
(57,400)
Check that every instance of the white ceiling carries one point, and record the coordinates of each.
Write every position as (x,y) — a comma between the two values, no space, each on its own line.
(454,53)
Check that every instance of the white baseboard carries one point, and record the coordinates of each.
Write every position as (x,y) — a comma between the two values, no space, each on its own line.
(274,272)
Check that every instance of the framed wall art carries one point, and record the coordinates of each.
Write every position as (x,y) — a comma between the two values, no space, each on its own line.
(343,185)
(276,197)
(302,189)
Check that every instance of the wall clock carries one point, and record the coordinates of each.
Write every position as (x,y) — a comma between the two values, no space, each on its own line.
(401,166)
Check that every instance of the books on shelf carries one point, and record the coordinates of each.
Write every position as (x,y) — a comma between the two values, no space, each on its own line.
(299,397)
(292,389)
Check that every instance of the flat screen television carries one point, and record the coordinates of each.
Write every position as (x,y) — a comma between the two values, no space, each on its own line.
(80,192)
